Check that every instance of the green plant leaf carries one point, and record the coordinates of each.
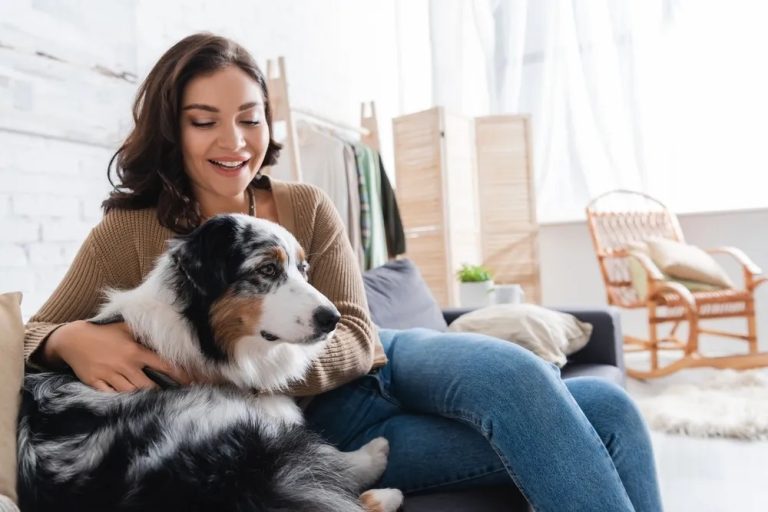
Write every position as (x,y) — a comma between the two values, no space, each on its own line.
(473,274)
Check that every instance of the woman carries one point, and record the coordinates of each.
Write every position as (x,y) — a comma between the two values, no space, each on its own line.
(459,410)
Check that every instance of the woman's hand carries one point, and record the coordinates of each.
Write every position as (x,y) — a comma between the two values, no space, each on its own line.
(106,357)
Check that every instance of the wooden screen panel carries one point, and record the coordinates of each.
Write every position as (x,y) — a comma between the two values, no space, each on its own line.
(420,196)
(509,229)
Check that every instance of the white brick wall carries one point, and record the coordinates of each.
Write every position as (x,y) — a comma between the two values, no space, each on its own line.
(50,193)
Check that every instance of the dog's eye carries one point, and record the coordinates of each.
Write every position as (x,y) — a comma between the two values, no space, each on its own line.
(268,270)
(303,267)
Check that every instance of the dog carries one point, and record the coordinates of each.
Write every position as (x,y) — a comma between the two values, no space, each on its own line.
(230,303)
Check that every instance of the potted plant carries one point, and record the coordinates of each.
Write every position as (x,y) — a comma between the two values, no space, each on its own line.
(476,286)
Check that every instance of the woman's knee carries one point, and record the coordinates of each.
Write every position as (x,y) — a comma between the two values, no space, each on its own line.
(496,367)
(505,360)
(607,405)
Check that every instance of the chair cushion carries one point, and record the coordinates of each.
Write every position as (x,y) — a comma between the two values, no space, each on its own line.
(11,375)
(684,261)
(550,334)
(640,281)
(398,297)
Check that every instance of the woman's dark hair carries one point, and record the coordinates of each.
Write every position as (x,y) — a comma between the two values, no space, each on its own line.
(149,164)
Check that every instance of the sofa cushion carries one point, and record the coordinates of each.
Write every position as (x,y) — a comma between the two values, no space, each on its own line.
(11,375)
(481,499)
(550,334)
(398,297)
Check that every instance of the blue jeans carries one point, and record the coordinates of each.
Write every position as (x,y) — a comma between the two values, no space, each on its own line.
(463,410)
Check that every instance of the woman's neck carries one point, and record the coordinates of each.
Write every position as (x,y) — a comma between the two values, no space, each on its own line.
(214,205)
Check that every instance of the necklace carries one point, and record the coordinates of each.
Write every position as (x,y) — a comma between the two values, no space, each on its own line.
(251,206)
(251,203)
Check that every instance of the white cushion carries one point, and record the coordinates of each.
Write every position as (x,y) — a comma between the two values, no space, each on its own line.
(552,335)
(684,261)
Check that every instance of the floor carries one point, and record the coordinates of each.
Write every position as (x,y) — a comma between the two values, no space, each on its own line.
(706,475)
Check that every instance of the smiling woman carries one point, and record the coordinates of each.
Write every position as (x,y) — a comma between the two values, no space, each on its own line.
(221,135)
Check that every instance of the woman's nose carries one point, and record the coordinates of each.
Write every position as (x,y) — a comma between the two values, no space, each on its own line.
(231,137)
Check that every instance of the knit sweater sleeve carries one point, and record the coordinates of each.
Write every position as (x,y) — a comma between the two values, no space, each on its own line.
(79,294)
(335,273)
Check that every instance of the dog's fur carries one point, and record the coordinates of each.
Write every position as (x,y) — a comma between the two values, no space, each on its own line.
(229,302)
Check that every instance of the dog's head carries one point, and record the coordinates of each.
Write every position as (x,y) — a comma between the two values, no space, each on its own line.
(238,285)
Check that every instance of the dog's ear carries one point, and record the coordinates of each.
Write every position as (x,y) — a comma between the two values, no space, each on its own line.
(209,257)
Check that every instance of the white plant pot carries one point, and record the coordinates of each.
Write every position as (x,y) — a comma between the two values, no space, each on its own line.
(476,295)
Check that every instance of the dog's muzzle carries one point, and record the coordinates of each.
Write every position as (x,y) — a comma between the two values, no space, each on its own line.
(325,319)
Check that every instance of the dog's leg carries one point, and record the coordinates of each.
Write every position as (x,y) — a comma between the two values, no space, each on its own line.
(366,464)
(381,500)
(364,467)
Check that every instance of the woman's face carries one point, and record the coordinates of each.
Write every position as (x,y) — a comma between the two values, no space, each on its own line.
(224,133)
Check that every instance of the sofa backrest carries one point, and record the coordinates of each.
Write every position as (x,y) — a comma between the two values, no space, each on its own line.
(398,297)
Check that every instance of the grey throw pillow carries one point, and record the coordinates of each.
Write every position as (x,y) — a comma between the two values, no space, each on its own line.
(398,297)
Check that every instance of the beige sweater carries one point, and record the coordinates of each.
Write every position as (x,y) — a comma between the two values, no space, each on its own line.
(122,248)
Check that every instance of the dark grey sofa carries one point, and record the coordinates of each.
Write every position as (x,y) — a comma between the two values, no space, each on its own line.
(398,298)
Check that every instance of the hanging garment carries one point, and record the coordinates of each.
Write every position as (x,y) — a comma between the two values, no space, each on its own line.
(368,165)
(353,187)
(324,164)
(393,224)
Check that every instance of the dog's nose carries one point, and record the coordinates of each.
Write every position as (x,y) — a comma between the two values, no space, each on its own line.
(325,318)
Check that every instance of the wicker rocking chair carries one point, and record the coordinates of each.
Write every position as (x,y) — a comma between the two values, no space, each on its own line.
(619,217)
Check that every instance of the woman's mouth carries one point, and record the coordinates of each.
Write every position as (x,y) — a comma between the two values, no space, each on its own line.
(229,166)
(230,169)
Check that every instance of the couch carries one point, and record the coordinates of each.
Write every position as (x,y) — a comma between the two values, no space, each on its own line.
(398,298)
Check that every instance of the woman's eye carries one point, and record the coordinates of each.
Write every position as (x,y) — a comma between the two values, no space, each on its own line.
(268,270)
(203,124)
(252,123)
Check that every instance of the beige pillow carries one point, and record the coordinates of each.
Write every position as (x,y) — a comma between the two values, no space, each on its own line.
(549,334)
(11,374)
(683,261)
(640,282)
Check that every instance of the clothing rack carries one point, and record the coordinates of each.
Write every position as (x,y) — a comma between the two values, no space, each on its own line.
(282,111)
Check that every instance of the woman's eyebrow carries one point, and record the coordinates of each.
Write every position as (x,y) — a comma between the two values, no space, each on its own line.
(208,108)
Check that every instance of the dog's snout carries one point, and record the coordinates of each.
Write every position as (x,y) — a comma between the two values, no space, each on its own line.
(325,318)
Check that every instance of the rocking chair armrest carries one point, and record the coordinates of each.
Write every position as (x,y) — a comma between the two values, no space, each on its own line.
(651,270)
(669,286)
(739,255)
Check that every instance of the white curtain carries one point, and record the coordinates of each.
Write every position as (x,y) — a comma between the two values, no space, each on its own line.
(575,67)
(662,96)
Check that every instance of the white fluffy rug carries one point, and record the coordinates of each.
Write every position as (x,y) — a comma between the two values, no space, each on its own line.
(719,403)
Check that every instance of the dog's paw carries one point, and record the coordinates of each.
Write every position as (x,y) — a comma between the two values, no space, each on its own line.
(382,500)
(378,450)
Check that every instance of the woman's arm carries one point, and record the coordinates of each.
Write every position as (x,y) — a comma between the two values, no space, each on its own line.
(105,357)
(75,298)
(334,271)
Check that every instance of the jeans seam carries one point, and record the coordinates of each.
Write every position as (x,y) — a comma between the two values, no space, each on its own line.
(385,395)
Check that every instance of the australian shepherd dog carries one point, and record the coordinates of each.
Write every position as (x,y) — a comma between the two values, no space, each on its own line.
(229,302)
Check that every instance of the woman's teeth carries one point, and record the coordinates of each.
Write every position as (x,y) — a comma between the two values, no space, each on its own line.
(229,165)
